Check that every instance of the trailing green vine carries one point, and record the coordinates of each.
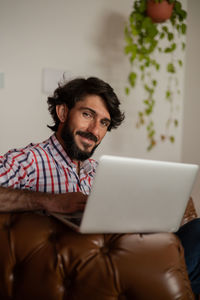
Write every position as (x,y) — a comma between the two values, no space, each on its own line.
(144,41)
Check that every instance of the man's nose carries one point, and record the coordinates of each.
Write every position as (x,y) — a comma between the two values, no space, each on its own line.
(94,128)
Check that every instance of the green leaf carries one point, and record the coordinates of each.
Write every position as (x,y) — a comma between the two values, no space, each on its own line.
(173,47)
(148,89)
(170,36)
(138,17)
(183,46)
(142,7)
(183,28)
(149,147)
(167,50)
(165,29)
(175,122)
(177,6)
(172,139)
(133,57)
(147,64)
(151,133)
(173,20)
(152,144)
(170,49)
(127,90)
(162,35)
(157,67)
(153,45)
(140,113)
(168,94)
(152,31)
(149,126)
(133,30)
(132,78)
(141,57)
(184,14)
(131,49)
(127,35)
(151,123)
(171,68)
(180,62)
(142,68)
(154,82)
(148,111)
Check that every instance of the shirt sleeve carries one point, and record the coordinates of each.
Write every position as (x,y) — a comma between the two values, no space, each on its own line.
(17,170)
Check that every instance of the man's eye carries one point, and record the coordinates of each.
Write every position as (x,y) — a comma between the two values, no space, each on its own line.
(105,123)
(87,115)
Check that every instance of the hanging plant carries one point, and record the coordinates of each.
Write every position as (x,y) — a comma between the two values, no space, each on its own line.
(145,38)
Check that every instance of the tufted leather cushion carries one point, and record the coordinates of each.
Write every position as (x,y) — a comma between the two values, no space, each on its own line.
(41,258)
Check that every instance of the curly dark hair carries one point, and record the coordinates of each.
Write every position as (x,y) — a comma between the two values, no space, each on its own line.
(75,90)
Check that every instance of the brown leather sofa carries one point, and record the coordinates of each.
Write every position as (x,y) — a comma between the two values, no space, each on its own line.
(40,258)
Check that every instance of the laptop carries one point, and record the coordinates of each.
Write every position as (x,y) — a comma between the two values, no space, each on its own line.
(132,195)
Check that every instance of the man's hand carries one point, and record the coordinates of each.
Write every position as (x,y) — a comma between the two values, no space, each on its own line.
(65,203)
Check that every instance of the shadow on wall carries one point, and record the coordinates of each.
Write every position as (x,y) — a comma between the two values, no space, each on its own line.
(109,42)
(111,63)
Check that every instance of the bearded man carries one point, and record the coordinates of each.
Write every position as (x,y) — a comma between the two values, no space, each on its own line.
(57,174)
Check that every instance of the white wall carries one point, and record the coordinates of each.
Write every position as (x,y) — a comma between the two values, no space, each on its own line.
(191,140)
(85,38)
(191,124)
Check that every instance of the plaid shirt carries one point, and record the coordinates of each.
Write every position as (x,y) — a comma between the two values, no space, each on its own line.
(45,167)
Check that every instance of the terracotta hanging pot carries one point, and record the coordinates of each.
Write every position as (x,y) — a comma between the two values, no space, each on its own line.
(159,12)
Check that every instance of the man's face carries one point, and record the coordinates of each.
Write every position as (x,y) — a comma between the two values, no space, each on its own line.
(85,127)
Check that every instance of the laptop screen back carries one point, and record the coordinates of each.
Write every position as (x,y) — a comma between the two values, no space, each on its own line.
(137,195)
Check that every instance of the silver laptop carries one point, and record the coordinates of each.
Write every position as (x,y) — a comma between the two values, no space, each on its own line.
(135,196)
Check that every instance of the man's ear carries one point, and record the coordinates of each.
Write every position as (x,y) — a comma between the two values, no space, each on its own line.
(62,112)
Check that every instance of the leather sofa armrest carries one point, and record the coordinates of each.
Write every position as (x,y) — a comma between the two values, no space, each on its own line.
(190,212)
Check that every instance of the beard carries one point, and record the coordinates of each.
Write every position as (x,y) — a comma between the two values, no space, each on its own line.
(72,149)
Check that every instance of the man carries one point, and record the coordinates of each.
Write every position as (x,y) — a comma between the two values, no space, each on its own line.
(57,175)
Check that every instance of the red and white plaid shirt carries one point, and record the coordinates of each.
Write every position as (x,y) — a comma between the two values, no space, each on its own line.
(45,167)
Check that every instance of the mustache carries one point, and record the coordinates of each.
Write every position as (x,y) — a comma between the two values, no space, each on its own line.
(87,135)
